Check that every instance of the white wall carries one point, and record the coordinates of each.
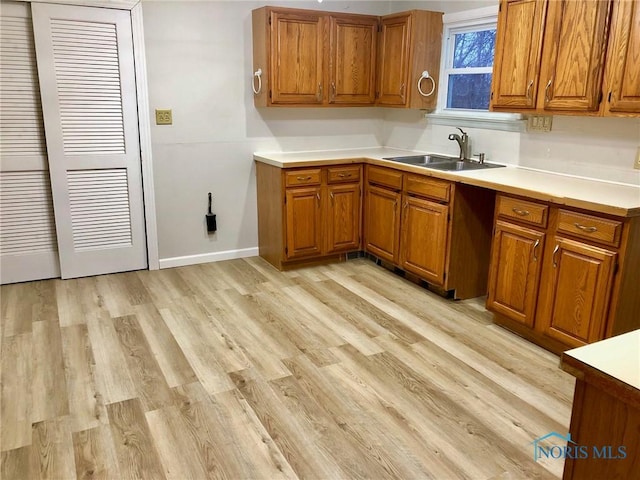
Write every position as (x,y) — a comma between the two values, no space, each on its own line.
(199,62)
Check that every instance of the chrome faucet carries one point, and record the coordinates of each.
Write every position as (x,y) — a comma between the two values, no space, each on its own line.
(463,141)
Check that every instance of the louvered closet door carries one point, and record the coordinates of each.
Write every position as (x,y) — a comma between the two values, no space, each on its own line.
(87,84)
(28,247)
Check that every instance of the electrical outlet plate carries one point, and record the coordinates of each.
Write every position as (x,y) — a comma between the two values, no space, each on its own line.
(636,164)
(163,117)
(539,123)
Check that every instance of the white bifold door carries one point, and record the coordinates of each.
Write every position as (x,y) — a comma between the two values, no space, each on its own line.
(87,86)
(28,246)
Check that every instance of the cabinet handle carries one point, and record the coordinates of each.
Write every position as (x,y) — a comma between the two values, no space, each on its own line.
(319,96)
(553,257)
(535,248)
(344,175)
(529,89)
(522,213)
(333,91)
(303,179)
(331,195)
(585,228)
(402,90)
(546,90)
(318,197)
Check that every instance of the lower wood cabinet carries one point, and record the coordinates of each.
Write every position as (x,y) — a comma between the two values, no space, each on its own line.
(434,229)
(576,300)
(563,278)
(382,224)
(424,238)
(517,264)
(304,222)
(306,214)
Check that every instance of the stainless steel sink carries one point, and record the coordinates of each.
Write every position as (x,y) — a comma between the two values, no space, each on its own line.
(458,165)
(442,162)
(422,160)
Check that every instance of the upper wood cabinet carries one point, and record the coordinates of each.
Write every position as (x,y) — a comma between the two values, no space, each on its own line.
(623,59)
(567,57)
(410,43)
(352,60)
(297,56)
(314,58)
(518,53)
(573,57)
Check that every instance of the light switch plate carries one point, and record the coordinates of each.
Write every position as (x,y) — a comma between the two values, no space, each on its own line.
(164,117)
(539,123)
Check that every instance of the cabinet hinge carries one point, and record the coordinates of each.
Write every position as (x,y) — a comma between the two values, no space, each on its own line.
(269,20)
(615,268)
(600,98)
(491,95)
(285,199)
(499,9)
(609,98)
(444,276)
(448,217)
(270,96)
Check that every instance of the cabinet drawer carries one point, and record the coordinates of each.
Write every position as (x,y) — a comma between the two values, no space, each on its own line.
(528,212)
(385,176)
(427,187)
(343,174)
(593,228)
(302,177)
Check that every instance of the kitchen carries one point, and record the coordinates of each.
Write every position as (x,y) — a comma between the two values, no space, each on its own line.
(199,62)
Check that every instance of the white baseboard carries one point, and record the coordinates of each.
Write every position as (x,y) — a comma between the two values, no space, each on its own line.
(207,257)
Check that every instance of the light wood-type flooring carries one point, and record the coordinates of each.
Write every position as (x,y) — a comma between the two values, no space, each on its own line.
(235,370)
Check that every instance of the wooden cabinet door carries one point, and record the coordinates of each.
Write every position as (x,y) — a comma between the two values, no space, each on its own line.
(393,72)
(424,239)
(304,226)
(574,51)
(623,59)
(297,56)
(343,218)
(514,276)
(353,59)
(578,280)
(382,220)
(518,54)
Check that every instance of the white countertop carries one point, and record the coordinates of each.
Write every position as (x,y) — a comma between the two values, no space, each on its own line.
(603,197)
(618,357)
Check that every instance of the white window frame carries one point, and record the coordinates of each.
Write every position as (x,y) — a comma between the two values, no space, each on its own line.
(459,22)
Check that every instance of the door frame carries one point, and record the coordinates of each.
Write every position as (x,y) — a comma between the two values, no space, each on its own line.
(144,118)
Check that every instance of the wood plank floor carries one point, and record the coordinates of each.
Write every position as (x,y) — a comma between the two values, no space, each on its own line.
(235,370)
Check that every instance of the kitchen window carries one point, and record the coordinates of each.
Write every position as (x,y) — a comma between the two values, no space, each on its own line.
(464,91)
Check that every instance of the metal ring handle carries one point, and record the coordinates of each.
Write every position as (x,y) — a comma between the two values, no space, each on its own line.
(425,75)
(257,73)
(585,228)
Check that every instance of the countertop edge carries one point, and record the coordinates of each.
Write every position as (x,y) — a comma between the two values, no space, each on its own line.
(467,180)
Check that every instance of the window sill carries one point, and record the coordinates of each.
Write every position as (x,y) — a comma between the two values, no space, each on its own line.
(507,122)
